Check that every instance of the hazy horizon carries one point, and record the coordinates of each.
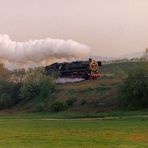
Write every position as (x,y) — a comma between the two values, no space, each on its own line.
(108,27)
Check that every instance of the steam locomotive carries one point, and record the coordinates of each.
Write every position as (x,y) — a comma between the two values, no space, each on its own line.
(79,69)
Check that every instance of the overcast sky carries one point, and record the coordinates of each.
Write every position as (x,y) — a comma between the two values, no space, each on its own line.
(109,27)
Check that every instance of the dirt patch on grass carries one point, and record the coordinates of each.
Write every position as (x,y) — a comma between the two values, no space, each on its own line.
(138,137)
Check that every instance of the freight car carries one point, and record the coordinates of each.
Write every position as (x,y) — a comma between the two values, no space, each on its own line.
(78,69)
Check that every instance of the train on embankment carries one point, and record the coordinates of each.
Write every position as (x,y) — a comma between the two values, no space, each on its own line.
(78,69)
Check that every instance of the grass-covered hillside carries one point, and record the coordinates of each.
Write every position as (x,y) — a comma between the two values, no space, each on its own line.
(121,70)
(33,91)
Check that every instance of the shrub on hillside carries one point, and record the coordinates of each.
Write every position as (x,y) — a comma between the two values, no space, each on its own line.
(37,86)
(134,91)
(83,102)
(9,94)
(69,102)
(58,106)
(5,101)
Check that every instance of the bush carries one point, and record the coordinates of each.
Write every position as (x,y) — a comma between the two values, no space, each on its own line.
(37,86)
(83,102)
(70,101)
(40,107)
(5,101)
(134,91)
(9,95)
(58,106)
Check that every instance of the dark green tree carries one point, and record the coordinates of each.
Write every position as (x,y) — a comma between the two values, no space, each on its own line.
(134,91)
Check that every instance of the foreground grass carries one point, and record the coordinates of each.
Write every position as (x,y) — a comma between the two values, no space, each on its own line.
(37,132)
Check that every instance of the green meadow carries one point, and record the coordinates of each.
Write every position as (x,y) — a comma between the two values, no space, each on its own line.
(37,132)
(87,114)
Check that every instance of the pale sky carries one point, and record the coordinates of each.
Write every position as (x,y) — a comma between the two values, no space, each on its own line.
(109,27)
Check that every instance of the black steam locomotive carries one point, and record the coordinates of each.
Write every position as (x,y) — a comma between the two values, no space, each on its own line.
(78,69)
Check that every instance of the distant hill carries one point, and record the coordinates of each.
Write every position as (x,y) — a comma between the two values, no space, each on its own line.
(98,58)
(124,56)
(132,55)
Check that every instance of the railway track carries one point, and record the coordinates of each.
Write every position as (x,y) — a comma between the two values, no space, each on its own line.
(89,83)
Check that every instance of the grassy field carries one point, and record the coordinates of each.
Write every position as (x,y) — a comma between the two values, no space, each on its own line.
(37,131)
(91,122)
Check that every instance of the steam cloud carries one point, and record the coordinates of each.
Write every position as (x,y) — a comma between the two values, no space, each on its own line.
(40,52)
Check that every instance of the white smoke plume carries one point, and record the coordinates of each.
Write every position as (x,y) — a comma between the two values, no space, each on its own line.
(39,52)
